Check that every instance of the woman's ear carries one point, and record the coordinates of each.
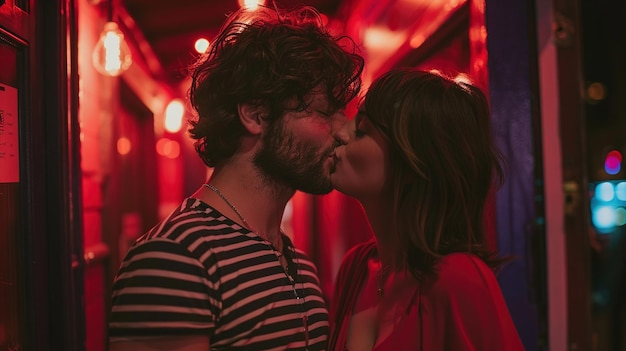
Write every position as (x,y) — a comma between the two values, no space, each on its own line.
(252,118)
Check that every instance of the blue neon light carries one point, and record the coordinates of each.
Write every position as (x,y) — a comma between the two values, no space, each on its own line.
(603,217)
(620,191)
(605,192)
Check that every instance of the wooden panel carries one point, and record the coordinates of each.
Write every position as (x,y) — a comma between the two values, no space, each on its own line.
(11,287)
(568,41)
(15,21)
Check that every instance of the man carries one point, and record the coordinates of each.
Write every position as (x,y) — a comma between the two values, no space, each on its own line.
(218,273)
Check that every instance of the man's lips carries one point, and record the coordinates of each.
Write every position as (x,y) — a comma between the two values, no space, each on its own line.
(334,158)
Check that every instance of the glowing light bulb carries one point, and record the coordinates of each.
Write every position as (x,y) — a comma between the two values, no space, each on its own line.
(111,56)
(168,148)
(251,5)
(174,116)
(123,146)
(201,45)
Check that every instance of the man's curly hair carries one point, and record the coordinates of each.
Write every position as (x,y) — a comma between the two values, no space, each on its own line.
(267,58)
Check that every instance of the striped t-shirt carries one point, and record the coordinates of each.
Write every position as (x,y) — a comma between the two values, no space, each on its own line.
(200,273)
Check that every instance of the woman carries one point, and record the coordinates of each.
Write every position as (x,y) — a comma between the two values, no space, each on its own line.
(420,158)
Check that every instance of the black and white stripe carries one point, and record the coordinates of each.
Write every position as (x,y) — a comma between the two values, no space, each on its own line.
(200,273)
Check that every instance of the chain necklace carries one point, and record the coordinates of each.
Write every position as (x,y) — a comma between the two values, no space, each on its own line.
(219,193)
(380,279)
(278,254)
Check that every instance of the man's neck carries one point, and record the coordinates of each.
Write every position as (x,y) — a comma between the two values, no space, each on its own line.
(258,201)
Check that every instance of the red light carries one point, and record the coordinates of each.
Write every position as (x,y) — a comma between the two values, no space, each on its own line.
(168,148)
(613,162)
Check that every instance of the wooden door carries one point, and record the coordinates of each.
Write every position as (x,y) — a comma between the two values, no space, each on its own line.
(590,38)
(39,241)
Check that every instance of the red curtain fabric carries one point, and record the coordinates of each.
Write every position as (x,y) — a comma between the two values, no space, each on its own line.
(326,227)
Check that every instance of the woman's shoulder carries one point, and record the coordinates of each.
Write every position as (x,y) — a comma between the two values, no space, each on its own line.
(463,292)
(460,273)
(359,251)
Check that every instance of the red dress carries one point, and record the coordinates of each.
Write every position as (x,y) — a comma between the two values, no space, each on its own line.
(462,309)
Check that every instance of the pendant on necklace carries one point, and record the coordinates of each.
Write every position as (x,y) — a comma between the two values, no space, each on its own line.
(380,280)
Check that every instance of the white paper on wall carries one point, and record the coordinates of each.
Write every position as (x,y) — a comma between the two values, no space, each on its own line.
(9,136)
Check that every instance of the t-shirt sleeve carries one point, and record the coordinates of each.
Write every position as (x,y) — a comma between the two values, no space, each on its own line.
(161,289)
(467,310)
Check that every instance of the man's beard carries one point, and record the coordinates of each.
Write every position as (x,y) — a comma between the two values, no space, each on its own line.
(285,160)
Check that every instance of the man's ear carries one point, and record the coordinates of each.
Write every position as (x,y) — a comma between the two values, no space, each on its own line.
(252,118)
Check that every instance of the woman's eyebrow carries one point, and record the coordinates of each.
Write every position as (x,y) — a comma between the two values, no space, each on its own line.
(361,111)
(357,118)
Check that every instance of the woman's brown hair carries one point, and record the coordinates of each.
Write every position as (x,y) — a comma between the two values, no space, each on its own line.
(444,162)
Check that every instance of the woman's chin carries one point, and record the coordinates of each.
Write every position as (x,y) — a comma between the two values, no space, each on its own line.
(335,181)
(337,184)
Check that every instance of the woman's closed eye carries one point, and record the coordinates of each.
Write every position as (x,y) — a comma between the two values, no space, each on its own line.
(359,125)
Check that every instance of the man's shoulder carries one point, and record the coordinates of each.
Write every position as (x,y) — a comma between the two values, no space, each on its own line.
(194,228)
(193,219)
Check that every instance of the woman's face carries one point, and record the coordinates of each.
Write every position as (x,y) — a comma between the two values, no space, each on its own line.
(361,163)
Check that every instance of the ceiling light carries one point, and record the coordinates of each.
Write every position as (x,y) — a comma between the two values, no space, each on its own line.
(111,55)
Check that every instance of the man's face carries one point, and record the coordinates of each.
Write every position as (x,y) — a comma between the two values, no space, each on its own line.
(298,149)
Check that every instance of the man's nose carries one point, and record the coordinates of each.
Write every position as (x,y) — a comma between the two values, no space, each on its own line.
(342,132)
